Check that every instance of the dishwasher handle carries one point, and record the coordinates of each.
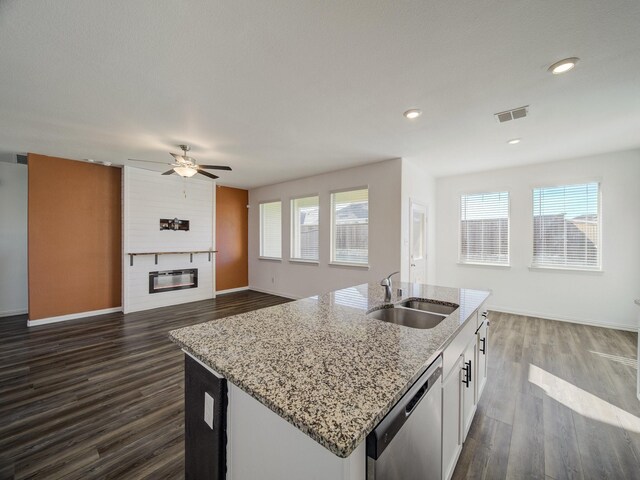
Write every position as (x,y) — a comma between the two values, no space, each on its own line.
(418,395)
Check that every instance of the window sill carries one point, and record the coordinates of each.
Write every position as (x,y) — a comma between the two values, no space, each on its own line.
(566,269)
(488,265)
(349,265)
(302,260)
(270,259)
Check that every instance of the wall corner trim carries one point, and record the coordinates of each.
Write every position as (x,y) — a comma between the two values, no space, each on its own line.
(231,290)
(10,313)
(71,316)
(273,292)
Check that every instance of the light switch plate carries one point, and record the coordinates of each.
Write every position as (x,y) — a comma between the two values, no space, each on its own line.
(208,410)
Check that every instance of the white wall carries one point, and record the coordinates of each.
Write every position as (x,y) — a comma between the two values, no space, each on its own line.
(300,280)
(148,197)
(420,187)
(603,298)
(13,239)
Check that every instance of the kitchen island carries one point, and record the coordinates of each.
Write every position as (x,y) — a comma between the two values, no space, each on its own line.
(322,366)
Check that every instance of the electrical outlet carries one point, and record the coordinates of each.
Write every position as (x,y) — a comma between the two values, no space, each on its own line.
(208,410)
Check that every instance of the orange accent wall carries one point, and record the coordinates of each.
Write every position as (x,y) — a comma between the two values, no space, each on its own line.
(75,240)
(232,238)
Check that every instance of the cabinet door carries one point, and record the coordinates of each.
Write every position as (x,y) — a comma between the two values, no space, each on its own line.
(451,419)
(468,385)
(481,352)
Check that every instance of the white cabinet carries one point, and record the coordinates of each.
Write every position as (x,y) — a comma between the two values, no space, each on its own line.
(482,349)
(468,385)
(464,378)
(451,419)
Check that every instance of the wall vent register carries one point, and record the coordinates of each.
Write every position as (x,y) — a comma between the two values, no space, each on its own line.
(169,280)
(513,114)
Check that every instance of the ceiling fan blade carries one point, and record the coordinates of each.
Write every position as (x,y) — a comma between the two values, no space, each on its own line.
(146,161)
(177,156)
(169,172)
(207,174)
(215,167)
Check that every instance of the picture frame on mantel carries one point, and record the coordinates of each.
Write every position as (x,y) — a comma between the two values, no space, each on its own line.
(174,224)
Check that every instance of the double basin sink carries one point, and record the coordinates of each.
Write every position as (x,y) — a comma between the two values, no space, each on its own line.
(414,313)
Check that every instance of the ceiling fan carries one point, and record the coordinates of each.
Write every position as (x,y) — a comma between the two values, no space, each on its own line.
(186,166)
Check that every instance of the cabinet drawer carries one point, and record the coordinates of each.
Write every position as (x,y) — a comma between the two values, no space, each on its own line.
(458,344)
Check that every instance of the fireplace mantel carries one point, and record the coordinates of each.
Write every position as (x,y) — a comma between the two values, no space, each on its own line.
(156,254)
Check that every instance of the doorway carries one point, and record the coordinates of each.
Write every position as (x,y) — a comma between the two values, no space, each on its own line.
(418,243)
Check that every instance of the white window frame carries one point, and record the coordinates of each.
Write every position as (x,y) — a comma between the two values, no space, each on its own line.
(574,268)
(461,261)
(261,239)
(333,261)
(292,257)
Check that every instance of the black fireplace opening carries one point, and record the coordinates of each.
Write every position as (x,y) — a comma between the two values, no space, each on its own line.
(169,280)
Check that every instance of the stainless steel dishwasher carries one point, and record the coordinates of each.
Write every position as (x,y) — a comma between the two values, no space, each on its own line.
(407,443)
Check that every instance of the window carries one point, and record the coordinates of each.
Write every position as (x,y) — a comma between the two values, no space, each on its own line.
(271,230)
(566,226)
(304,228)
(484,228)
(350,227)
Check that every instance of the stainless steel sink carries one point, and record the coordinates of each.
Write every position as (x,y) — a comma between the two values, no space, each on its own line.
(431,307)
(407,317)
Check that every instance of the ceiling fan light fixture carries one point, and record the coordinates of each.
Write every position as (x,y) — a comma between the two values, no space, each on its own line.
(185,171)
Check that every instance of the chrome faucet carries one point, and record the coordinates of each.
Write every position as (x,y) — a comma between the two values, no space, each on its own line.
(386,283)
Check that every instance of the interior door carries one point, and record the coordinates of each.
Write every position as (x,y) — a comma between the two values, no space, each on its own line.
(418,243)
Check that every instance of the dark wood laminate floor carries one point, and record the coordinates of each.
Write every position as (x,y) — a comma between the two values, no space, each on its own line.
(560,403)
(100,397)
(103,398)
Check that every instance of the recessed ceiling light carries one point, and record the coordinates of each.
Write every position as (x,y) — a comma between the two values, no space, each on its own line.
(106,164)
(413,113)
(514,141)
(90,160)
(563,65)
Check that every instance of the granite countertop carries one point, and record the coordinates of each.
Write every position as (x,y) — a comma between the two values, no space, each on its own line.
(321,363)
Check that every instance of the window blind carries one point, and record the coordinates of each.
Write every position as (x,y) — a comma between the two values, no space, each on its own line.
(304,228)
(484,228)
(271,229)
(566,226)
(350,226)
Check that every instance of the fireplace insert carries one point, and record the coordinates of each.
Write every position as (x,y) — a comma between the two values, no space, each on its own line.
(173,280)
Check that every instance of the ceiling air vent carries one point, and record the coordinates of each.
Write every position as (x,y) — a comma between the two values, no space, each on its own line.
(514,114)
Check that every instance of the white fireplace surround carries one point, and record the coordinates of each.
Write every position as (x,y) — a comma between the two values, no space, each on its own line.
(148,197)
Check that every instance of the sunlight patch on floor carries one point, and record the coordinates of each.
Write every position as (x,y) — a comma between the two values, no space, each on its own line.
(581,401)
(629,362)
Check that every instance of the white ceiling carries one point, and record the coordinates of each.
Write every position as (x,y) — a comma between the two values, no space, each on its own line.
(284,89)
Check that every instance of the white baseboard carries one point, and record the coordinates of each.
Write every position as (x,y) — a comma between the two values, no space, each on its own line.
(231,290)
(10,313)
(546,316)
(279,294)
(71,316)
